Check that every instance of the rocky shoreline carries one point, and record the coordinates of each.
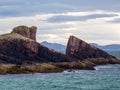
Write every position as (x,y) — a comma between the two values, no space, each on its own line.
(20,53)
(52,67)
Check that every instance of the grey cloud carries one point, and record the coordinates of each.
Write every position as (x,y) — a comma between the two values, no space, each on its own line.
(52,27)
(9,8)
(62,18)
(117,20)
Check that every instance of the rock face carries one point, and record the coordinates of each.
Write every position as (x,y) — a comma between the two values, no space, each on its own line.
(51,55)
(78,49)
(29,32)
(20,46)
(21,53)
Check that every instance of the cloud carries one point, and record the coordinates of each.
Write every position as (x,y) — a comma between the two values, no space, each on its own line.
(62,18)
(12,8)
(95,21)
(96,30)
(116,20)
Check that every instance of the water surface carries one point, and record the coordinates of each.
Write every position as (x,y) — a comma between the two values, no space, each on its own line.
(103,78)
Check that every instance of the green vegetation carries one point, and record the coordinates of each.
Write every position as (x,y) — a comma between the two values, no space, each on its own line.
(6,34)
(21,28)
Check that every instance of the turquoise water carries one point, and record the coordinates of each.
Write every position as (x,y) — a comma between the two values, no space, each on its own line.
(103,78)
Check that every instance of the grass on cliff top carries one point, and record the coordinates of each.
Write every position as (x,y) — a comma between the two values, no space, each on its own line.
(10,36)
(6,34)
(22,27)
(16,28)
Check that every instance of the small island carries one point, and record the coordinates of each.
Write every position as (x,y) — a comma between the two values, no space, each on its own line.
(20,53)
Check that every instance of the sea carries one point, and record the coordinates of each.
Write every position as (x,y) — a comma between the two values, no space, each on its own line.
(106,77)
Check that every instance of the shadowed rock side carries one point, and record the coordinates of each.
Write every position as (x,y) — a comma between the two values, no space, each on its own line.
(78,49)
(51,55)
(20,46)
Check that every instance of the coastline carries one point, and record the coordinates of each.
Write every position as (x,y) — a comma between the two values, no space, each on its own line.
(20,53)
(53,67)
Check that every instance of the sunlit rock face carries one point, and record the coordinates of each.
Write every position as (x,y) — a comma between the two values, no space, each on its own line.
(79,49)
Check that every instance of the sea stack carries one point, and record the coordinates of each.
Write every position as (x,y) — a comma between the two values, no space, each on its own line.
(21,46)
(79,49)
(29,32)
(21,53)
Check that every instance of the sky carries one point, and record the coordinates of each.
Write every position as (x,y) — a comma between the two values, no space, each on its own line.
(95,21)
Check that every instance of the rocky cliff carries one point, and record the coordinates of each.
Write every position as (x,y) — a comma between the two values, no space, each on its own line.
(21,53)
(78,49)
(20,46)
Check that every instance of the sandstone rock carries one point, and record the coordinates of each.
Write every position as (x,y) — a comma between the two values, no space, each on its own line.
(78,49)
(52,55)
(29,32)
(20,46)
(15,45)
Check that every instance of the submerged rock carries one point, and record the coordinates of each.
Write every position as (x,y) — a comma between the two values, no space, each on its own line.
(79,49)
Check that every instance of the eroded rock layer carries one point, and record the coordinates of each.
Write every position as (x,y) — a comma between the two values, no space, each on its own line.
(78,49)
